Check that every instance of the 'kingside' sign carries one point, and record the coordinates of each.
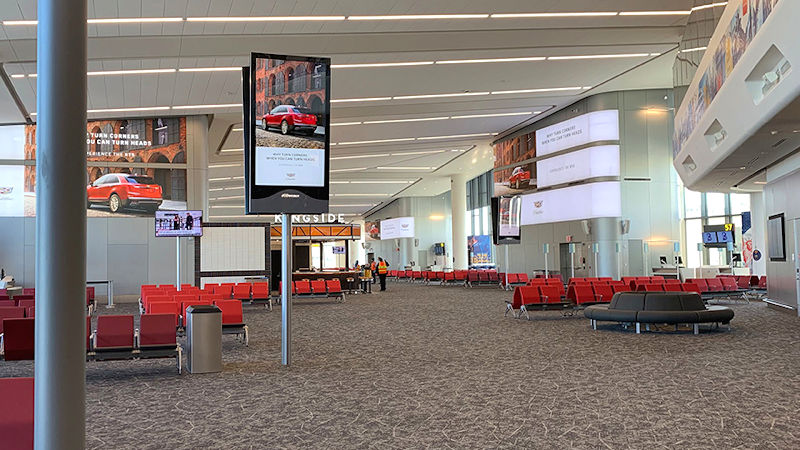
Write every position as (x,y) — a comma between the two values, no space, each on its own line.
(315,218)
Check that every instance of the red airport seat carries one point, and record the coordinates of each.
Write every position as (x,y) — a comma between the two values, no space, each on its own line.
(148,299)
(280,288)
(584,294)
(656,278)
(225,289)
(449,276)
(29,291)
(729,284)
(652,287)
(187,304)
(690,287)
(460,275)
(26,303)
(157,330)
(114,335)
(261,291)
(762,282)
(483,277)
(603,292)
(10,312)
(494,277)
(242,291)
(550,294)
(165,308)
(620,288)
(7,304)
(512,278)
(743,282)
(416,275)
(715,285)
(18,339)
(525,295)
(334,287)
(318,287)
(30,312)
(537,282)
(302,287)
(522,278)
(233,319)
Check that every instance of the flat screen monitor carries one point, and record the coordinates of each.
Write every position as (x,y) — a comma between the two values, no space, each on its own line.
(710,237)
(776,236)
(288,151)
(401,227)
(506,219)
(179,223)
(718,236)
(338,250)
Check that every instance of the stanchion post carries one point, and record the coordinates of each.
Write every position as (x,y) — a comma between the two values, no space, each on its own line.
(178,263)
(546,250)
(286,289)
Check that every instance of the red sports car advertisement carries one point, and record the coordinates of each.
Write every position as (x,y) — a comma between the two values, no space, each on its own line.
(135,167)
(372,230)
(513,173)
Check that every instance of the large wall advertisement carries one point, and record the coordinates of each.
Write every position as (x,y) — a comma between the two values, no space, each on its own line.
(288,149)
(514,172)
(583,201)
(401,227)
(134,167)
(592,162)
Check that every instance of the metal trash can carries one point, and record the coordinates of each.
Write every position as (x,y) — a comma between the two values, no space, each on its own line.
(204,338)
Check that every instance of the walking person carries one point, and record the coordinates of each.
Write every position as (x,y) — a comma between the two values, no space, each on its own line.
(383,267)
(373,267)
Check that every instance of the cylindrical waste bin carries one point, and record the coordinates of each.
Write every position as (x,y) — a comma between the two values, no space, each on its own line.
(204,338)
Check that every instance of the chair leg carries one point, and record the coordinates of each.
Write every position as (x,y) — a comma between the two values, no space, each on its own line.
(180,360)
(696,328)
(594,324)
(638,328)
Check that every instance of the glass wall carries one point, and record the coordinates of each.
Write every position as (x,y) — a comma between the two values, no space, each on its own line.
(711,208)
(479,214)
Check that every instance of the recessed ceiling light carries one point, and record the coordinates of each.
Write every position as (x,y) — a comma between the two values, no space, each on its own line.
(135,20)
(454,94)
(363,99)
(476,116)
(420,17)
(375,141)
(423,119)
(742,168)
(710,5)
(405,168)
(129,72)
(492,60)
(226,105)
(210,69)
(695,49)
(606,56)
(352,169)
(551,15)
(265,19)
(453,136)
(655,13)
(531,91)
(392,64)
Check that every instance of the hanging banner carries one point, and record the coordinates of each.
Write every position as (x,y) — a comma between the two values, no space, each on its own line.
(747,240)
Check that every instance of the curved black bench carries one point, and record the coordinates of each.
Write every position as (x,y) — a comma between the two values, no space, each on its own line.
(658,307)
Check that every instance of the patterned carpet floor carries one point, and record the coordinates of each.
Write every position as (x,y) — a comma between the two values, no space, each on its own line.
(440,367)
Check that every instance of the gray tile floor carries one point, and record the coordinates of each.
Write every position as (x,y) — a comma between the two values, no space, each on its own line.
(440,367)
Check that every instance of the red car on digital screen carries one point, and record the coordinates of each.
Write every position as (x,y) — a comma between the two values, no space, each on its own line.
(519,178)
(289,118)
(122,190)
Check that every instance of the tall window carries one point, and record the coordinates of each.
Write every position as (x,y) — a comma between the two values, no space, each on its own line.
(712,208)
(166,131)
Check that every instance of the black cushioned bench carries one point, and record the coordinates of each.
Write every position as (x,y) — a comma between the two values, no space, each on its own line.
(658,307)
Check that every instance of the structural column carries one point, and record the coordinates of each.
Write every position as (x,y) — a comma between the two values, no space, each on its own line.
(606,233)
(458,202)
(60,394)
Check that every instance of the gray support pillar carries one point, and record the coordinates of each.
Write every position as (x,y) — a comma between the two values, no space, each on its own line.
(60,391)
(458,199)
(606,232)
(286,289)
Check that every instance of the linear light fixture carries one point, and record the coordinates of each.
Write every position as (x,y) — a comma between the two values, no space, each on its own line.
(225,105)
(230,197)
(362,195)
(363,99)
(342,124)
(128,72)
(607,56)
(391,64)
(492,60)
(225,206)
(237,129)
(654,13)
(222,166)
(376,141)
(352,169)
(453,136)
(420,17)
(265,19)
(694,49)
(353,205)
(454,94)
(405,168)
(210,69)
(134,20)
(143,108)
(531,91)
(336,158)
(710,5)
(231,150)
(18,75)
(383,181)
(553,15)
(422,119)
(476,116)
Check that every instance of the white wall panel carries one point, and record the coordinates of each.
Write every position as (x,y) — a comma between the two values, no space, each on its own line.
(230,248)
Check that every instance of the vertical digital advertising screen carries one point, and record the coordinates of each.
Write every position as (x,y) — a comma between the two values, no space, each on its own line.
(288,117)
(506,219)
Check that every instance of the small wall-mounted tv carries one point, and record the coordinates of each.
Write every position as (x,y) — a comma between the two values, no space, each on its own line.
(179,223)
(776,237)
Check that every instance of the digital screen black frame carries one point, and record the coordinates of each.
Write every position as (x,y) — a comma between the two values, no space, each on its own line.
(195,213)
(716,229)
(773,248)
(284,199)
(501,240)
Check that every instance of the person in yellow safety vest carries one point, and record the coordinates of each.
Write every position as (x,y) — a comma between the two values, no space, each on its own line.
(382,269)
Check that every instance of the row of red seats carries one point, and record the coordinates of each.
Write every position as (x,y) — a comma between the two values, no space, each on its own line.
(748,281)
(514,278)
(116,338)
(720,284)
(30,294)
(25,291)
(541,281)
(317,288)
(542,293)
